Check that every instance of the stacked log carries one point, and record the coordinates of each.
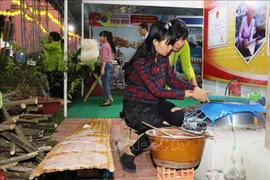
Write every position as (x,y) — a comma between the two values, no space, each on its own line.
(20,134)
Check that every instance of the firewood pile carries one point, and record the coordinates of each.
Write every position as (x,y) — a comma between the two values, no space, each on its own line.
(21,136)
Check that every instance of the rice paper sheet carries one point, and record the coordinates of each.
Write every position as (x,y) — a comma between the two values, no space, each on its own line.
(88,147)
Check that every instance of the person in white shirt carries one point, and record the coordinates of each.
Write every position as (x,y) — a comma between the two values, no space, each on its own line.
(143,28)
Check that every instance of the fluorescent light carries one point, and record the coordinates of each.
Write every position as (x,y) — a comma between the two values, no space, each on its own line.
(71,28)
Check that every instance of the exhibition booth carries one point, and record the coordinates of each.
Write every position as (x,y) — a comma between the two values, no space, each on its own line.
(229,136)
(218,29)
(223,59)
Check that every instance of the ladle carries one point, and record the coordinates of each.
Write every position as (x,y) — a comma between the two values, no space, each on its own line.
(168,134)
(153,127)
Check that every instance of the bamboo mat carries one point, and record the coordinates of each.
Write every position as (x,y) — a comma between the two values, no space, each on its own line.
(87,147)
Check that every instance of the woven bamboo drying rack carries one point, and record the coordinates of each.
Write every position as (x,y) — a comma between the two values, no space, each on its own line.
(99,130)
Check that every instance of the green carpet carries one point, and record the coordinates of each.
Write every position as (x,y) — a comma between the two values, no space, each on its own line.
(91,108)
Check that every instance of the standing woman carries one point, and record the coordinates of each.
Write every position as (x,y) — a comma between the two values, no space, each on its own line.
(105,60)
(181,50)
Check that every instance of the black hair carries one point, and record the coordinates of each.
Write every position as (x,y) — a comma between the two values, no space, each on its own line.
(55,35)
(144,26)
(159,31)
(109,37)
(180,28)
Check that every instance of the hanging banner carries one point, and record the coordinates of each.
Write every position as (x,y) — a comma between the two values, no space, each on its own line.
(134,20)
(222,63)
(121,20)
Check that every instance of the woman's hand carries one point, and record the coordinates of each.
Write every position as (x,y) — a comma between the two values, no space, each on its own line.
(201,95)
(102,68)
(198,94)
(102,72)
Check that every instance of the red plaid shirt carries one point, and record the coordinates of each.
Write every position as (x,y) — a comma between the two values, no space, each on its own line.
(147,82)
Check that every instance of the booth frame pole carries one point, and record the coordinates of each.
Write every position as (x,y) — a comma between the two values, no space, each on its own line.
(82,32)
(65,54)
(82,20)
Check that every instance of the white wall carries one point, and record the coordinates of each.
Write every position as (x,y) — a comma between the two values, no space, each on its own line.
(251,154)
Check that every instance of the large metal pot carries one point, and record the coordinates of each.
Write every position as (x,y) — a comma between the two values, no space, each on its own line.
(179,152)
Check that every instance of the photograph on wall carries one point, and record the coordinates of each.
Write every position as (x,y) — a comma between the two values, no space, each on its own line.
(250,25)
(218,26)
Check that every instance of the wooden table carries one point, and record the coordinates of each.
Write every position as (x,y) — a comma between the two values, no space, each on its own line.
(97,81)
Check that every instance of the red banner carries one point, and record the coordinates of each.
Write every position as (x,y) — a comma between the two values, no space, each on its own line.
(136,20)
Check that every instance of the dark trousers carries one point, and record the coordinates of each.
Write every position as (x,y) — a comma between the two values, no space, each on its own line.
(136,112)
(56,81)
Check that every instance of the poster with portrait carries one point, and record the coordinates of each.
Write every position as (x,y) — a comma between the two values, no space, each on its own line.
(250,26)
(226,62)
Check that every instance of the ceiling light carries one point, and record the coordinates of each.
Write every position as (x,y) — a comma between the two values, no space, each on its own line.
(71,28)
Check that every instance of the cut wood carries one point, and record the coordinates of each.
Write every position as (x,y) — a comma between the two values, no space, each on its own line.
(19,158)
(20,169)
(27,121)
(33,121)
(39,125)
(17,109)
(6,127)
(33,137)
(45,148)
(12,148)
(29,164)
(17,175)
(31,132)
(1,100)
(30,116)
(15,117)
(20,143)
(7,166)
(42,138)
(22,137)
(4,143)
(41,119)
(16,103)
(33,108)
(17,150)
(7,117)
(7,95)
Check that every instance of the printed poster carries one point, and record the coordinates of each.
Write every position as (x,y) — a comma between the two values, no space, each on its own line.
(226,62)
(218,26)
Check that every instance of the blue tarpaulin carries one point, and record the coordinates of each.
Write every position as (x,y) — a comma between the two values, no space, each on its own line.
(216,110)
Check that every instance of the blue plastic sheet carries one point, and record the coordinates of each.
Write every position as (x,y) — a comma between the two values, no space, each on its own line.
(216,110)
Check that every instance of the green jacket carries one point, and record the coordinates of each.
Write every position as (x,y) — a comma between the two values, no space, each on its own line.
(53,57)
(184,54)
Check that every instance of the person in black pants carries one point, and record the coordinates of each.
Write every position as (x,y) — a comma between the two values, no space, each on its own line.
(53,65)
(145,95)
